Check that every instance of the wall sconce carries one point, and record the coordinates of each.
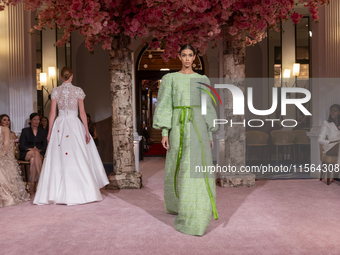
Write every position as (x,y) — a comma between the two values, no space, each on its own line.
(296,69)
(51,74)
(286,75)
(43,79)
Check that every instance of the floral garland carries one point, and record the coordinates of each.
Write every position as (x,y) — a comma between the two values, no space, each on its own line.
(171,22)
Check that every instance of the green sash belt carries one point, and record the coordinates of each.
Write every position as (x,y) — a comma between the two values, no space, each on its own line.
(179,156)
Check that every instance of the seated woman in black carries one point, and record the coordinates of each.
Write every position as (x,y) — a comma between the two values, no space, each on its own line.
(32,145)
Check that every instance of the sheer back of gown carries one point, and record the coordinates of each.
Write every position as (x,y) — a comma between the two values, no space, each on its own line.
(67,96)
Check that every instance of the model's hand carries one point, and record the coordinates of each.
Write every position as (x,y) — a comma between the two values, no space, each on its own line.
(87,137)
(165,142)
(211,144)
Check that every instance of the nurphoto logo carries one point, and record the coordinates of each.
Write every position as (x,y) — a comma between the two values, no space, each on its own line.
(238,103)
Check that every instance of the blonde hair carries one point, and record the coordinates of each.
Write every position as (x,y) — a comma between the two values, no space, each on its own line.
(66,73)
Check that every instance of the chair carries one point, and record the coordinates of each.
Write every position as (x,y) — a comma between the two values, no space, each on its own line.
(282,138)
(256,139)
(301,139)
(25,164)
(329,160)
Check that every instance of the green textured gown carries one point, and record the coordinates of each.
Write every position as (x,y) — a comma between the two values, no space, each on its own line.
(196,190)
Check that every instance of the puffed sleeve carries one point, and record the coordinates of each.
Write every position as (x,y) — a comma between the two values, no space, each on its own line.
(54,94)
(163,113)
(211,113)
(81,94)
(323,133)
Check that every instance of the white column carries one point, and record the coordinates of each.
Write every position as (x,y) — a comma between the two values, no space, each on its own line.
(21,69)
(4,45)
(288,60)
(325,64)
(332,37)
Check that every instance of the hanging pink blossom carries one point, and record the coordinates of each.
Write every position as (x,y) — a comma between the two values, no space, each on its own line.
(170,22)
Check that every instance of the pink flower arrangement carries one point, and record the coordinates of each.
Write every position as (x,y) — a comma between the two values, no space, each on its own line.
(171,22)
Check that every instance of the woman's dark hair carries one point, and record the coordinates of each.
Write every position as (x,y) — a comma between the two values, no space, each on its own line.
(90,121)
(185,47)
(47,126)
(330,120)
(3,116)
(32,116)
(66,73)
(90,125)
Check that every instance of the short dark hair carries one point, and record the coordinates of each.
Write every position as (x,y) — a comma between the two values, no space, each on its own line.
(90,121)
(187,46)
(34,114)
(47,127)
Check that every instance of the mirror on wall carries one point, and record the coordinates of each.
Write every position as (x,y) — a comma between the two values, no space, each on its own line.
(302,57)
(275,56)
(38,58)
(63,53)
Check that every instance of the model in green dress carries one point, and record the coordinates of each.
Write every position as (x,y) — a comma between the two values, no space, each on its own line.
(188,193)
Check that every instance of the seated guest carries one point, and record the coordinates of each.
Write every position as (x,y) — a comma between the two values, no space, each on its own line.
(32,145)
(5,121)
(12,188)
(330,130)
(44,123)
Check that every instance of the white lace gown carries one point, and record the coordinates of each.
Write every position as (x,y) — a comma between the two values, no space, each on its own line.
(72,172)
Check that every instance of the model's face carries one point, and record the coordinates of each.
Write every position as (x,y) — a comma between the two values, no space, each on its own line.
(44,122)
(187,57)
(334,112)
(5,122)
(35,121)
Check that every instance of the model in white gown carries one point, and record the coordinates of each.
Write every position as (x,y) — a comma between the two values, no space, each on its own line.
(72,172)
